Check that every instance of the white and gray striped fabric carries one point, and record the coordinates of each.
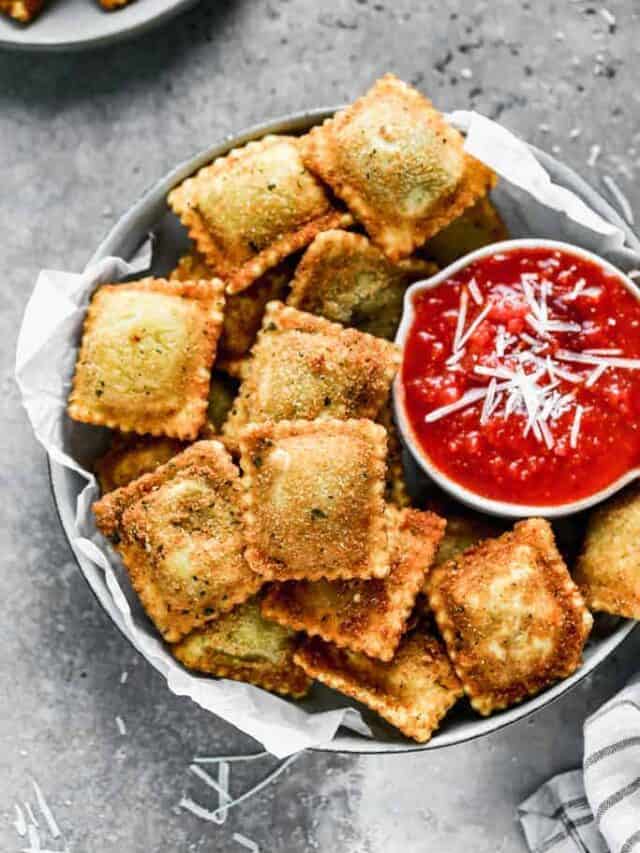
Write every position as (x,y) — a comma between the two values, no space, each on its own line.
(596,809)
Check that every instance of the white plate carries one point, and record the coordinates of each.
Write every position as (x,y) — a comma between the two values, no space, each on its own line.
(80,24)
(123,240)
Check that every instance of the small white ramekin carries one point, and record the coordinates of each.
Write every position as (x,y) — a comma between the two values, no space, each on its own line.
(466,496)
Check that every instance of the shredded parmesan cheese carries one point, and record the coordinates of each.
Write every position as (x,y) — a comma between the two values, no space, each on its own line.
(19,823)
(594,153)
(121,726)
(246,842)
(575,427)
(475,292)
(46,811)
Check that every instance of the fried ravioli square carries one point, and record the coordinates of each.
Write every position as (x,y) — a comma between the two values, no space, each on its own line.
(512,619)
(131,456)
(304,367)
(178,531)
(345,278)
(608,568)
(242,311)
(222,393)
(478,226)
(22,10)
(249,210)
(413,692)
(244,646)
(367,616)
(145,359)
(314,499)
(396,163)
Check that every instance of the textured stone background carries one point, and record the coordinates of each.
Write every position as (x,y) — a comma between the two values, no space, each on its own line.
(80,137)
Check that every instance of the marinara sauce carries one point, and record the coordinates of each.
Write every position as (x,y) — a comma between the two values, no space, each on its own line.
(521,376)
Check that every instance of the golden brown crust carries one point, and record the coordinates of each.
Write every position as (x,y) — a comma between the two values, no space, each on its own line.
(22,10)
(314,499)
(249,210)
(131,456)
(222,393)
(178,531)
(303,366)
(345,278)
(608,569)
(396,491)
(400,168)
(144,363)
(111,5)
(366,616)
(245,647)
(461,533)
(511,617)
(413,692)
(242,311)
(478,226)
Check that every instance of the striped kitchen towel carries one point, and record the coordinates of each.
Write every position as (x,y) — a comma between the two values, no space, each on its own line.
(596,809)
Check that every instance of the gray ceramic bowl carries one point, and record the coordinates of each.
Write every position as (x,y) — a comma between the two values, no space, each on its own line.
(81,24)
(124,239)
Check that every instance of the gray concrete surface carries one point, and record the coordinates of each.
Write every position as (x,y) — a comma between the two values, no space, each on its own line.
(80,137)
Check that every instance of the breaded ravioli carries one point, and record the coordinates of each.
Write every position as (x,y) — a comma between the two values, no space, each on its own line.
(345,278)
(304,367)
(413,692)
(242,311)
(314,499)
(367,616)
(608,569)
(478,226)
(178,531)
(244,646)
(512,619)
(130,456)
(249,210)
(23,11)
(145,359)
(397,164)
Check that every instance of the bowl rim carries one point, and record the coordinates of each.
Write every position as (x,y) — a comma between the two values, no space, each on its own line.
(466,496)
(119,240)
(127,31)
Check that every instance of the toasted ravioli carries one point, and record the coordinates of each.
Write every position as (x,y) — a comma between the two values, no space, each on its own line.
(242,311)
(367,616)
(413,692)
(131,456)
(304,367)
(22,10)
(244,646)
(314,499)
(222,393)
(478,226)
(608,569)
(178,531)
(345,278)
(512,619)
(396,491)
(251,209)
(144,363)
(400,168)
(462,532)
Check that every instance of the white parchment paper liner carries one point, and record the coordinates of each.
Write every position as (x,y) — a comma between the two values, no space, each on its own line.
(531,204)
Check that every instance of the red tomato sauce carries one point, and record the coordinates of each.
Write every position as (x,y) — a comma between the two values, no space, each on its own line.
(540,371)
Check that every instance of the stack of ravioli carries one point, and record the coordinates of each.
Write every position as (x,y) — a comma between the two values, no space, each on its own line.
(254,488)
